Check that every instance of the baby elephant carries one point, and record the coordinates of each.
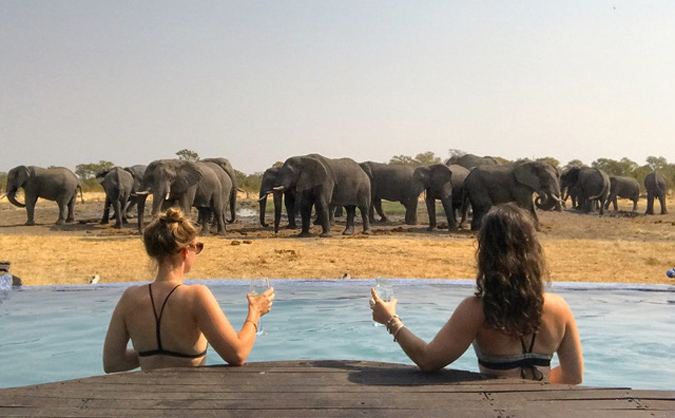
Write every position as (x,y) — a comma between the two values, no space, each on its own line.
(118,184)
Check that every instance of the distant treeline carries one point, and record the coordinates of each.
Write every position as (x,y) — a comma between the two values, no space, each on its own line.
(251,182)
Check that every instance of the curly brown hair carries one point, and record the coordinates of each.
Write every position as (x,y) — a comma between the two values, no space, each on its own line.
(511,269)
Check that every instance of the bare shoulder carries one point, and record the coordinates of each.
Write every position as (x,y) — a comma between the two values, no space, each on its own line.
(471,307)
(199,292)
(556,303)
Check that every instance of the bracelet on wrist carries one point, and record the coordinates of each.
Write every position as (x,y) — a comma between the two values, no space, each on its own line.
(393,318)
(252,323)
(397,331)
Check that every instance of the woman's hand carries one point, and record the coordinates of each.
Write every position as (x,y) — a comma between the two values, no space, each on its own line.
(382,311)
(261,303)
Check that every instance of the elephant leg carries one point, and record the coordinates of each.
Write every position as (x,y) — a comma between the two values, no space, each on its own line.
(662,199)
(635,205)
(106,211)
(449,213)
(477,220)
(30,210)
(364,209)
(650,204)
(377,203)
(118,214)
(306,215)
(324,211)
(70,217)
(431,210)
(289,202)
(351,212)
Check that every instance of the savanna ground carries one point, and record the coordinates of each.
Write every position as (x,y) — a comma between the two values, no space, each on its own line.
(619,246)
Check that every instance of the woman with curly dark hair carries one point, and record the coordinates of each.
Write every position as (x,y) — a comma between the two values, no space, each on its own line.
(514,326)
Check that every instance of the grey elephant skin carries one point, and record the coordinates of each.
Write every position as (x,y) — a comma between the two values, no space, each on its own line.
(288,196)
(211,195)
(58,184)
(486,186)
(390,182)
(590,185)
(136,172)
(470,161)
(324,182)
(182,184)
(118,185)
(230,193)
(445,183)
(657,187)
(625,187)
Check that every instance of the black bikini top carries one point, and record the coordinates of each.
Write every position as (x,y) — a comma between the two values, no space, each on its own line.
(527,361)
(158,319)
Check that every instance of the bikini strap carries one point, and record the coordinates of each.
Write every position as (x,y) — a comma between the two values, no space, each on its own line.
(522,344)
(158,319)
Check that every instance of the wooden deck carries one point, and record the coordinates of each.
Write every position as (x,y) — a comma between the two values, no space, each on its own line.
(323,388)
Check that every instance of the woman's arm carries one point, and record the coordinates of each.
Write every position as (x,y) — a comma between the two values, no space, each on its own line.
(447,346)
(571,368)
(116,356)
(233,347)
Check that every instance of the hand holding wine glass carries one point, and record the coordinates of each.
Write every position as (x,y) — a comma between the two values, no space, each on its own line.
(382,294)
(260,296)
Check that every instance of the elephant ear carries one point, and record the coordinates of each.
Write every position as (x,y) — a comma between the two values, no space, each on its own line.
(187,174)
(312,174)
(528,175)
(22,174)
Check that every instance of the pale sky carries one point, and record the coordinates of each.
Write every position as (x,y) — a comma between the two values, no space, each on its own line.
(260,81)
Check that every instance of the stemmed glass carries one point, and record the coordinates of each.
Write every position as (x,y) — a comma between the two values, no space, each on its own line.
(258,287)
(385,290)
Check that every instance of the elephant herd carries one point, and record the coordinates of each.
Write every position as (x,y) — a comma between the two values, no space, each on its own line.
(313,182)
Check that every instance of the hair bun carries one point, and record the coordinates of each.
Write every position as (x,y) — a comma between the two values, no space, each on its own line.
(172,215)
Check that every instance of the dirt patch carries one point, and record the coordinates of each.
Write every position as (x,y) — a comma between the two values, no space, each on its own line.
(619,246)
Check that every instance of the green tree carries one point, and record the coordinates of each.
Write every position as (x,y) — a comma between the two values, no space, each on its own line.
(240,177)
(657,163)
(625,167)
(187,155)
(278,164)
(454,152)
(427,158)
(88,171)
(402,160)
(3,180)
(573,163)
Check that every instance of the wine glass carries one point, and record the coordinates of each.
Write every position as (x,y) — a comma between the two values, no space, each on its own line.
(257,287)
(385,290)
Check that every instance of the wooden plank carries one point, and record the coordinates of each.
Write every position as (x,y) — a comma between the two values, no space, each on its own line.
(324,388)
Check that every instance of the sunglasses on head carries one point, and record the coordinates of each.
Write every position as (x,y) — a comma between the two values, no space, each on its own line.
(197,247)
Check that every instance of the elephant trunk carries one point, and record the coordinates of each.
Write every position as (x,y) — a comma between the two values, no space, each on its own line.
(263,205)
(11,196)
(140,205)
(277,211)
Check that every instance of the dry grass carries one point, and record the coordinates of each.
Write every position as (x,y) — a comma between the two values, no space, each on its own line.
(613,248)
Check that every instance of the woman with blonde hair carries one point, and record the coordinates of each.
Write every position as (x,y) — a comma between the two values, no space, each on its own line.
(515,327)
(170,323)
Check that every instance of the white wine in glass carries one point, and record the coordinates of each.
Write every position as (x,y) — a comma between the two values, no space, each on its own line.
(385,290)
(257,287)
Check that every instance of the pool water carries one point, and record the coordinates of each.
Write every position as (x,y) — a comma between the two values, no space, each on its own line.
(54,333)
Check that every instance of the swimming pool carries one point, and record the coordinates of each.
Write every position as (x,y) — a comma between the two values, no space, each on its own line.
(54,333)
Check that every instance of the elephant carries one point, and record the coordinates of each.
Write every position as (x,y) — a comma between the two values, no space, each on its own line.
(390,182)
(118,185)
(266,186)
(442,182)
(58,184)
(136,172)
(324,182)
(470,161)
(657,187)
(183,184)
(590,185)
(206,198)
(623,186)
(490,185)
(225,165)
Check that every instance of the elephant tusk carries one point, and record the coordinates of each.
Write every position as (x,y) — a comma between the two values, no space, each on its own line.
(278,189)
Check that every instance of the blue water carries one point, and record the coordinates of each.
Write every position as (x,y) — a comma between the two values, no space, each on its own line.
(56,333)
